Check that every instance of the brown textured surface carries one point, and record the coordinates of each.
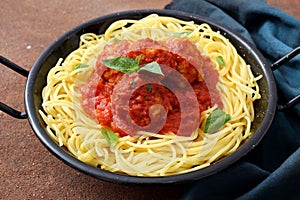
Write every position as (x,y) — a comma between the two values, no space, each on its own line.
(27,169)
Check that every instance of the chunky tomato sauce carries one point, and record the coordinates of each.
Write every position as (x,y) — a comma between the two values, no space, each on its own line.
(128,103)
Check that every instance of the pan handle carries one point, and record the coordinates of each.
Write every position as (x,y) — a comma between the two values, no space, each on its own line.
(3,107)
(279,63)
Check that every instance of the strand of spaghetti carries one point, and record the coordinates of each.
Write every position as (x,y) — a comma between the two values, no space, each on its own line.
(172,160)
(156,145)
(150,154)
(176,163)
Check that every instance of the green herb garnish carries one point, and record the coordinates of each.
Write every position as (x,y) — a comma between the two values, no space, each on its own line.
(220,60)
(149,87)
(133,84)
(123,64)
(110,137)
(116,40)
(152,67)
(80,65)
(129,65)
(216,120)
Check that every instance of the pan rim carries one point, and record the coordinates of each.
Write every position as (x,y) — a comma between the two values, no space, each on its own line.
(121,178)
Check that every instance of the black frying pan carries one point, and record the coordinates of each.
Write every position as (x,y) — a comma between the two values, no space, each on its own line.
(265,108)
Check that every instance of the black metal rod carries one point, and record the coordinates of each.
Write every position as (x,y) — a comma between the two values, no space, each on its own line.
(12,112)
(289,104)
(279,63)
(13,66)
(285,58)
(3,107)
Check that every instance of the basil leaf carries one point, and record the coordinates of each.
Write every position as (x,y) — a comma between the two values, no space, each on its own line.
(80,65)
(149,88)
(220,60)
(128,65)
(138,59)
(133,84)
(115,40)
(122,64)
(110,137)
(216,120)
(152,67)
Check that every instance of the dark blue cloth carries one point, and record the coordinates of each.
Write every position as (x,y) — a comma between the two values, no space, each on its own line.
(272,169)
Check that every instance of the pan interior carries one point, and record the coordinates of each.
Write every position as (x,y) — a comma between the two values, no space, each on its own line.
(264,108)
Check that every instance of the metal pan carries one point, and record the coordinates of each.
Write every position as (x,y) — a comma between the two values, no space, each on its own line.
(265,108)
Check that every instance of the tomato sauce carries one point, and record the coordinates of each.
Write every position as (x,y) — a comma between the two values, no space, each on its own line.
(128,103)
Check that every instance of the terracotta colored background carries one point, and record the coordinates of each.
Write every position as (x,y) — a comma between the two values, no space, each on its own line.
(27,169)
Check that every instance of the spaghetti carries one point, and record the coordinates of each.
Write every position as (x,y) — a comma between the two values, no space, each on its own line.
(146,153)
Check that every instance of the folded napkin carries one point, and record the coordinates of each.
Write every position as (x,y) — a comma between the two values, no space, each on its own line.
(272,169)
